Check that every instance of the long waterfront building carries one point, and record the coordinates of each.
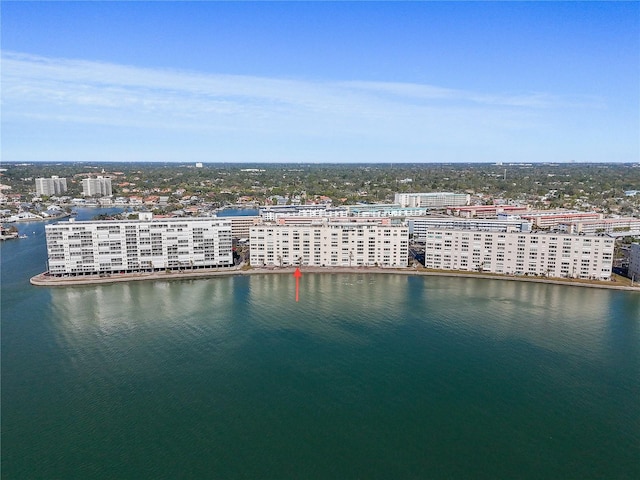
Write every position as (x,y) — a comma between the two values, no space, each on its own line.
(330,243)
(104,247)
(518,253)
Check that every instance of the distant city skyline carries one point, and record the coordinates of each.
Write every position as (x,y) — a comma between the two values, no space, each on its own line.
(334,82)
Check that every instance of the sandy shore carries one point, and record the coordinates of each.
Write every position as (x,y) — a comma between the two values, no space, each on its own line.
(45,280)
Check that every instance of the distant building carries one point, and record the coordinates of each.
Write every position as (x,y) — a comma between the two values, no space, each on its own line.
(536,254)
(100,186)
(51,186)
(432,199)
(93,247)
(553,218)
(420,226)
(487,211)
(271,214)
(385,210)
(324,242)
(615,227)
(198,164)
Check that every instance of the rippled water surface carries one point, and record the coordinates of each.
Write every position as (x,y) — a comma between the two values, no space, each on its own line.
(367,376)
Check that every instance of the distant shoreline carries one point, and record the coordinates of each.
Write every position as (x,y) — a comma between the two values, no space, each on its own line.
(43,279)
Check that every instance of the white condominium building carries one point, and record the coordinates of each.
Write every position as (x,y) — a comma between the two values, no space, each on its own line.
(81,248)
(420,226)
(432,200)
(545,254)
(100,186)
(385,210)
(270,214)
(330,243)
(51,186)
(616,227)
(487,211)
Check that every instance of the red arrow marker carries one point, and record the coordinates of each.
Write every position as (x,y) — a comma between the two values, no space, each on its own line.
(297,274)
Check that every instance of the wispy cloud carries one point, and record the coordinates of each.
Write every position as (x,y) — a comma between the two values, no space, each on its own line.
(57,90)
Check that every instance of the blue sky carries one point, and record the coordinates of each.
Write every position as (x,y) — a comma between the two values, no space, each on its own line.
(321,81)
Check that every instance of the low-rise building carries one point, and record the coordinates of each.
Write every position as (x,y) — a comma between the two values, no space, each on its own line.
(432,199)
(420,226)
(551,219)
(270,214)
(615,227)
(517,253)
(325,242)
(385,210)
(487,211)
(105,247)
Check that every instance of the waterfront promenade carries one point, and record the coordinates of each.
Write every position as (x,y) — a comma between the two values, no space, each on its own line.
(45,280)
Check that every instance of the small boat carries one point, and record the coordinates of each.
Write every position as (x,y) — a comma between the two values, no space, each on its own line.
(22,236)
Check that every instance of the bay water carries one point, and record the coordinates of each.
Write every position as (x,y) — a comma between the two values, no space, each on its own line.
(367,376)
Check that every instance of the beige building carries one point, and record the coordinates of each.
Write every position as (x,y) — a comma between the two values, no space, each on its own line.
(553,218)
(546,254)
(621,226)
(240,225)
(323,242)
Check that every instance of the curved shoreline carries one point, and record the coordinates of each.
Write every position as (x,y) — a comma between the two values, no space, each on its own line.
(44,280)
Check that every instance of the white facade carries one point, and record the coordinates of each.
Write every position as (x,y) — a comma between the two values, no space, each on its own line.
(432,199)
(77,248)
(330,243)
(385,210)
(51,186)
(420,226)
(634,262)
(270,214)
(553,218)
(100,186)
(617,227)
(551,255)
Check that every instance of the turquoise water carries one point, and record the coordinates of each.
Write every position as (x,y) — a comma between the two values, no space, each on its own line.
(367,376)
